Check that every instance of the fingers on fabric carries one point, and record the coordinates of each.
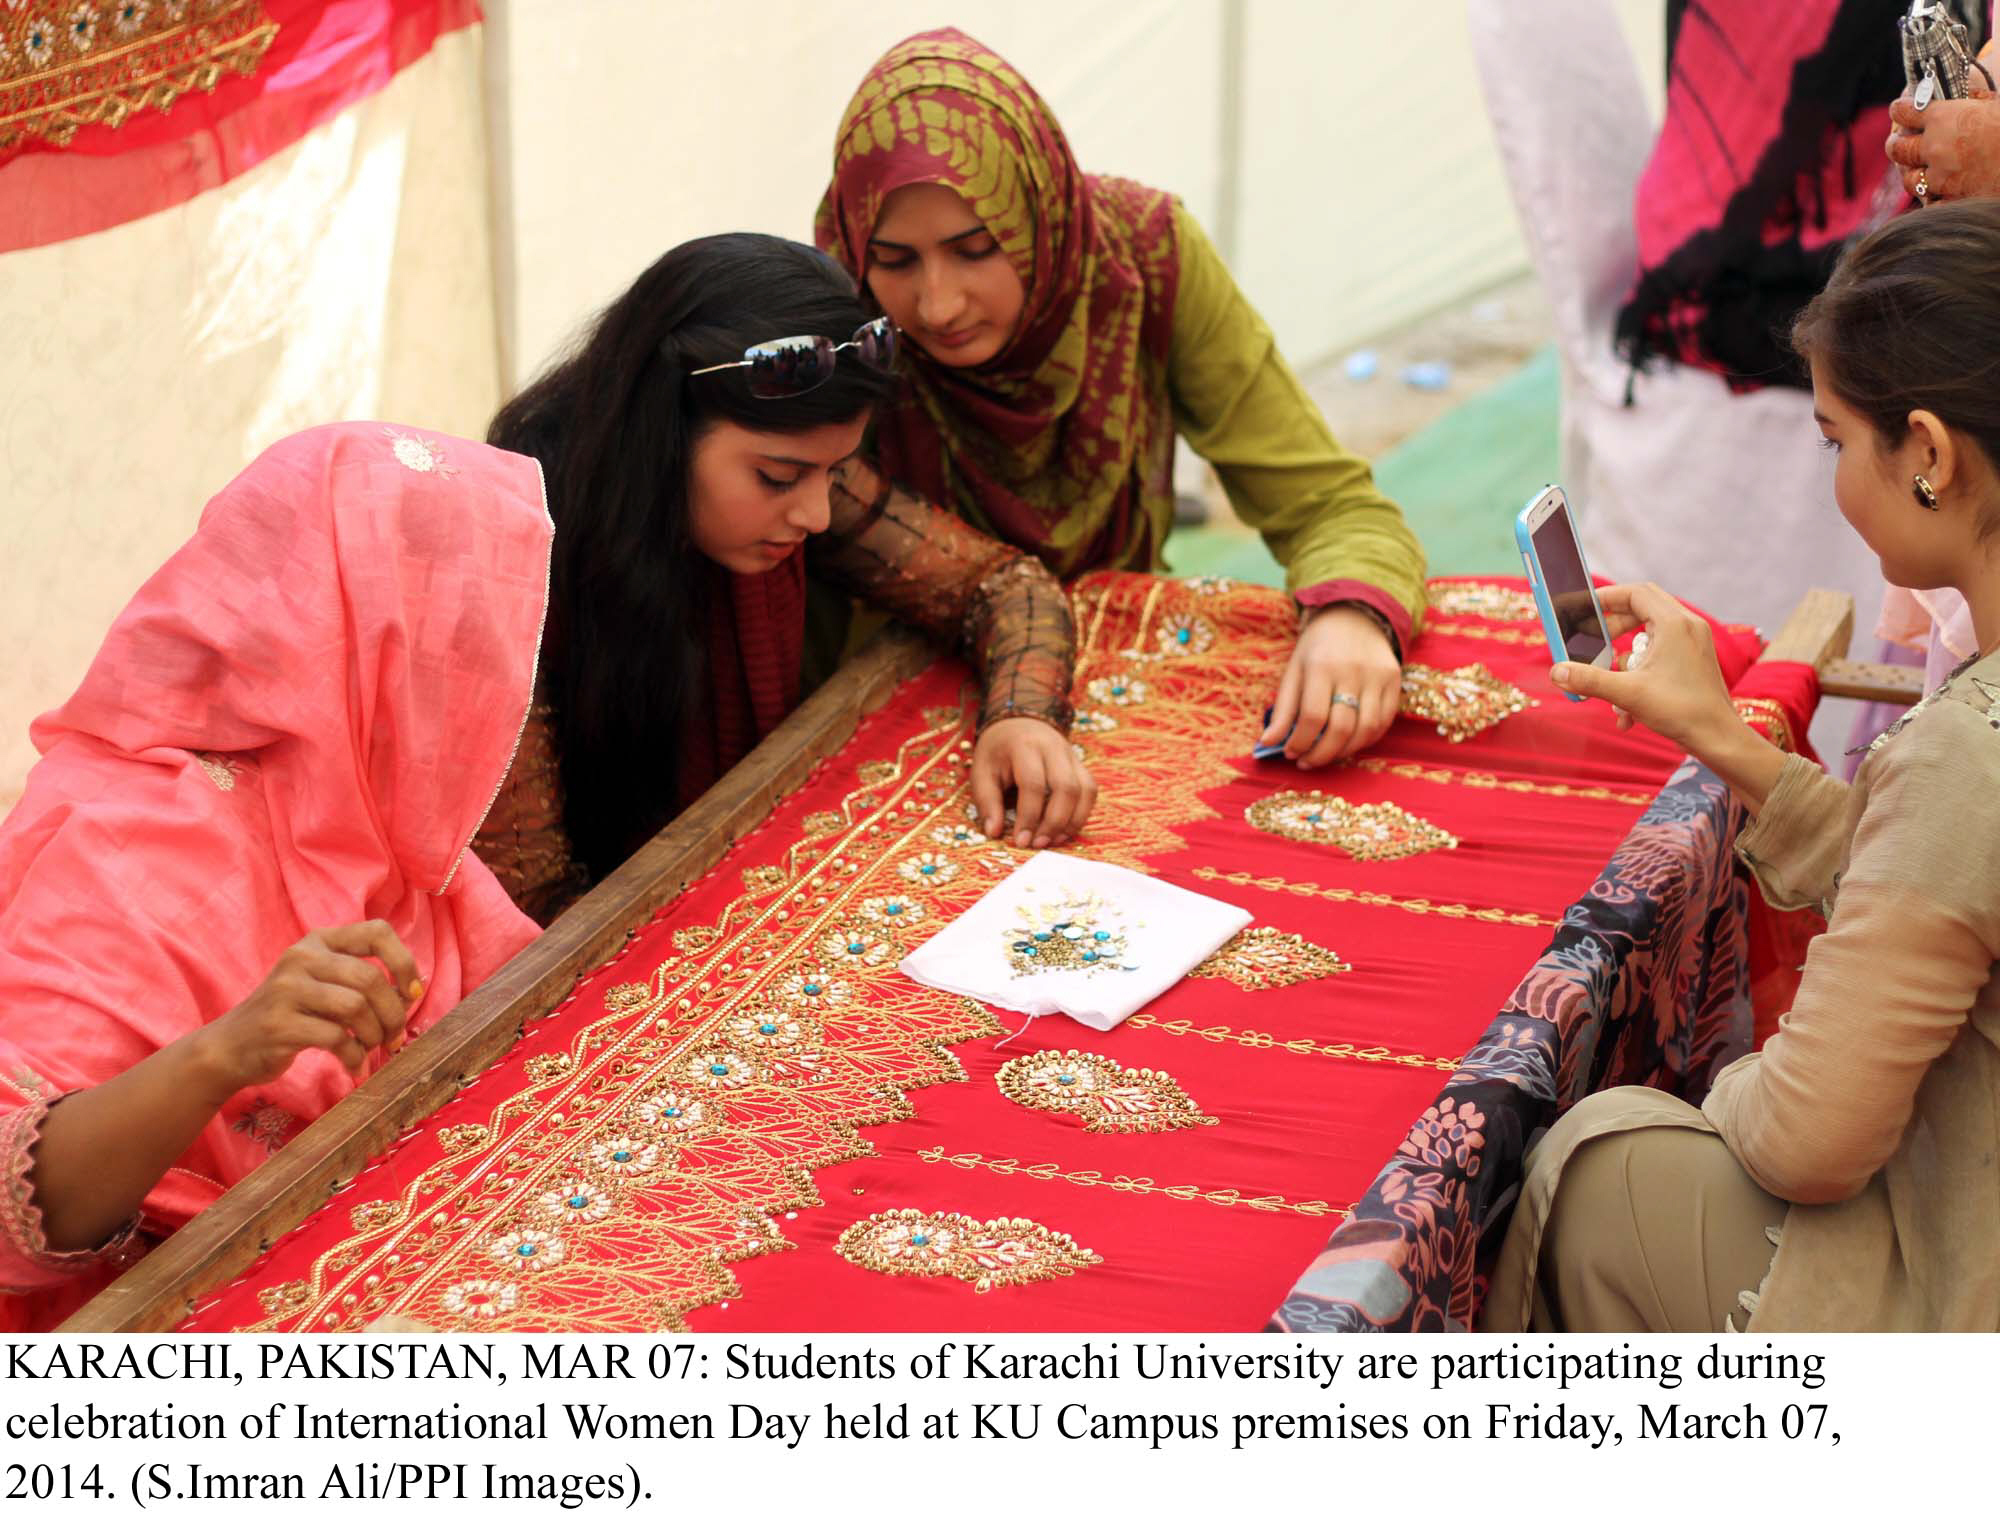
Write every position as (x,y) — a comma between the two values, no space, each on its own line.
(1341,720)
(1086,800)
(1379,706)
(1285,709)
(988,795)
(1030,793)
(376,940)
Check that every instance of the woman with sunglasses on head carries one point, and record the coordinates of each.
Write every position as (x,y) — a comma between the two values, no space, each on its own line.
(699,448)
(1843,1177)
(1061,327)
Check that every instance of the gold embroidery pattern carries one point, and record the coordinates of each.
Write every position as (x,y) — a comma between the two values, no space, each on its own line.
(684,1167)
(69,65)
(1771,716)
(988,1254)
(1421,905)
(1369,830)
(1263,958)
(220,770)
(1185,635)
(627,995)
(1108,1097)
(1478,779)
(1485,633)
(1463,702)
(1070,933)
(1049,1171)
(1488,601)
(1252,1039)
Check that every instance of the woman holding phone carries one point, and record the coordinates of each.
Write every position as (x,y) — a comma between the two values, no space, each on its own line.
(1842,1178)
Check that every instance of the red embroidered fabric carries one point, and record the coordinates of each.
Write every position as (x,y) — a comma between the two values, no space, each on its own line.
(747,1121)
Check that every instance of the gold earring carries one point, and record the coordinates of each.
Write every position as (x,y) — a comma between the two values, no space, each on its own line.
(1925,493)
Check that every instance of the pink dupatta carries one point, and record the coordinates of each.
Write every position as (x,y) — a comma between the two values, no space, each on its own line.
(298,722)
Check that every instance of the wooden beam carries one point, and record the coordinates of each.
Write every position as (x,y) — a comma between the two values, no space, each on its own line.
(1816,632)
(1872,681)
(240,1226)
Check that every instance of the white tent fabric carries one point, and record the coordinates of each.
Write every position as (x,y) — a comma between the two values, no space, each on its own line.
(347,277)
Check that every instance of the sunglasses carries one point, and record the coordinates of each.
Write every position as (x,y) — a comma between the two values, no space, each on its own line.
(784,368)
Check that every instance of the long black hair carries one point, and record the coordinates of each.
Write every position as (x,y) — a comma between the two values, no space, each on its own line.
(614,424)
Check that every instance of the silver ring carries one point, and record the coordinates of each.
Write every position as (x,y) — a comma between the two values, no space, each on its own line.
(1341,699)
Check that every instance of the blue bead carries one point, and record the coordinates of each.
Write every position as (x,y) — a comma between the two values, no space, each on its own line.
(857,948)
(526,1248)
(920,1239)
(767,1028)
(1184,636)
(579,1202)
(1027,948)
(812,988)
(1043,938)
(1100,936)
(718,1069)
(894,909)
(627,1155)
(1089,956)
(1065,1080)
(930,869)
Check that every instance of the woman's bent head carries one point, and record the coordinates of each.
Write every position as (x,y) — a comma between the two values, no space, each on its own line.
(660,480)
(1904,345)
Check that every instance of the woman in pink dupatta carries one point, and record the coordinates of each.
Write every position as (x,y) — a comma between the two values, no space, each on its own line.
(271,772)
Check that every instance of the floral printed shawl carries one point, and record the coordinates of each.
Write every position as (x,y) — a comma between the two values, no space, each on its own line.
(1063,443)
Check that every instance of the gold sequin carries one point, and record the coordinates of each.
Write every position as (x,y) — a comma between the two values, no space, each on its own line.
(543,1069)
(220,770)
(463,1137)
(1491,601)
(1421,905)
(1117,1182)
(1777,726)
(1463,702)
(628,994)
(378,1215)
(1368,830)
(988,1254)
(1261,958)
(1108,1097)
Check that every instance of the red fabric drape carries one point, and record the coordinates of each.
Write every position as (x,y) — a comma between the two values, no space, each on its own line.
(327,55)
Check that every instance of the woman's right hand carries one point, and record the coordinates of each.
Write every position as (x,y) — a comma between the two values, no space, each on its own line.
(325,993)
(1678,689)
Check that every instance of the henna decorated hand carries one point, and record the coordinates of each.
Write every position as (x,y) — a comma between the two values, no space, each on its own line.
(1954,145)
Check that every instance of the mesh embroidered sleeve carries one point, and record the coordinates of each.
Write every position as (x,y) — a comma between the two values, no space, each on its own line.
(522,840)
(997,604)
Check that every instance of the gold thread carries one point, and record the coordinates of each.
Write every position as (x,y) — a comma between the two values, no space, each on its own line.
(988,1254)
(1418,904)
(1366,830)
(1480,779)
(1107,1097)
(1263,958)
(1049,1171)
(1760,708)
(1483,633)
(1488,601)
(1253,1039)
(1463,701)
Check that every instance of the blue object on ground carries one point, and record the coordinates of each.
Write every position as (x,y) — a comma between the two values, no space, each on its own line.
(1362,365)
(1428,376)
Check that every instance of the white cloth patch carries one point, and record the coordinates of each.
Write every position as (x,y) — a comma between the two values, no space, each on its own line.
(1068,935)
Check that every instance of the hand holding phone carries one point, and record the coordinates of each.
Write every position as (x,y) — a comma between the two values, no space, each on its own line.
(1560,581)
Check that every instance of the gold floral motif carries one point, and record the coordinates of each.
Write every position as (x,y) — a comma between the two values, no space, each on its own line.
(1261,958)
(1185,635)
(1489,601)
(988,1254)
(1502,634)
(1463,702)
(937,717)
(577,1202)
(1109,1098)
(927,870)
(958,835)
(775,1031)
(818,824)
(893,911)
(285,1298)
(863,946)
(1080,933)
(1050,1171)
(378,1215)
(221,770)
(1089,721)
(1117,689)
(1770,715)
(1368,830)
(78,63)
(543,1069)
(696,937)
(878,772)
(1421,905)
(763,877)
(627,995)
(1479,779)
(477,1299)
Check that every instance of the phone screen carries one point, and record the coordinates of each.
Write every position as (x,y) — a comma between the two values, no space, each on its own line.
(1568,588)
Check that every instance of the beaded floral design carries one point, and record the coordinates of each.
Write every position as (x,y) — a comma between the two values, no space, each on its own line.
(1461,702)
(1078,933)
(1261,958)
(927,869)
(1088,721)
(1488,601)
(266,1124)
(958,835)
(859,946)
(720,1070)
(1117,689)
(577,1202)
(1364,830)
(529,1249)
(624,1156)
(773,1031)
(1184,635)
(988,1254)
(481,1298)
(627,995)
(671,1111)
(418,454)
(1107,1097)
(894,911)
(814,989)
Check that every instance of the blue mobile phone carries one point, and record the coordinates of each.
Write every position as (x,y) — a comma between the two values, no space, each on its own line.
(1560,580)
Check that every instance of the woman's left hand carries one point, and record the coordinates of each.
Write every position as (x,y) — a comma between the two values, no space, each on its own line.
(1340,653)
(1053,791)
